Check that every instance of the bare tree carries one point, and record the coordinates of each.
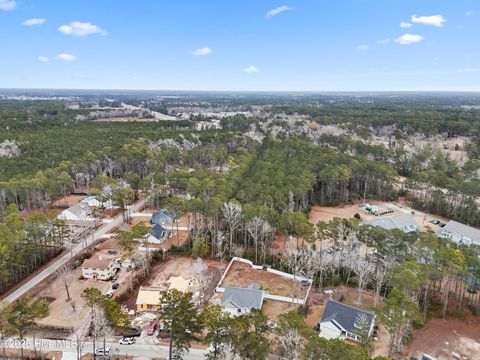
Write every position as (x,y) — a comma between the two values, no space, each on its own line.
(220,245)
(257,228)
(228,353)
(64,274)
(363,269)
(100,325)
(199,272)
(292,345)
(233,215)
(296,261)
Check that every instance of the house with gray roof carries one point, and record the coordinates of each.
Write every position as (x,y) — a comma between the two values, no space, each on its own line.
(404,222)
(344,321)
(158,235)
(77,212)
(460,233)
(239,301)
(162,217)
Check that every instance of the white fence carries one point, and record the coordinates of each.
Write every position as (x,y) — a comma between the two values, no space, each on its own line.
(267,295)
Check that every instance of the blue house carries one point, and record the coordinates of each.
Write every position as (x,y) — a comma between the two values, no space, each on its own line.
(162,217)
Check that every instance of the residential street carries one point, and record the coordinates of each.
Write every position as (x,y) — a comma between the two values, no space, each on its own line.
(70,350)
(75,250)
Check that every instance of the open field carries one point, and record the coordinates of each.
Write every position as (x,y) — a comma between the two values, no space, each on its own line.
(242,275)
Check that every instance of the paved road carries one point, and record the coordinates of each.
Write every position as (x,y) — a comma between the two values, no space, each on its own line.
(70,349)
(75,250)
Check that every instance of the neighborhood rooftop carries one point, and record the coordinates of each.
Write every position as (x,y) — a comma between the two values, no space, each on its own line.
(251,297)
(404,222)
(344,315)
(461,230)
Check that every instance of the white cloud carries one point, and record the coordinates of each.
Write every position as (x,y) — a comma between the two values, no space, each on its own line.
(78,28)
(468,70)
(34,21)
(6,5)
(202,51)
(383,41)
(363,47)
(405,25)
(434,20)
(469,13)
(251,69)
(277,11)
(43,59)
(65,57)
(408,39)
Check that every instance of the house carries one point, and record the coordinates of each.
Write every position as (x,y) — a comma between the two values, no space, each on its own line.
(162,217)
(148,298)
(159,235)
(78,212)
(239,301)
(460,233)
(93,202)
(100,268)
(342,321)
(404,222)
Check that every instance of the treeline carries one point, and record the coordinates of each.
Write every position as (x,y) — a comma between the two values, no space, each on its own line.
(25,245)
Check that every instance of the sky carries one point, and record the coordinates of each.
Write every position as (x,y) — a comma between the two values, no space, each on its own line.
(243,45)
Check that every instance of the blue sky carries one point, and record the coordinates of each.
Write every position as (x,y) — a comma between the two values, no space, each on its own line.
(297,45)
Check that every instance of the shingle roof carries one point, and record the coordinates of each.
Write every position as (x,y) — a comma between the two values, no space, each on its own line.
(80,209)
(344,315)
(250,298)
(463,230)
(162,217)
(96,263)
(394,222)
(159,231)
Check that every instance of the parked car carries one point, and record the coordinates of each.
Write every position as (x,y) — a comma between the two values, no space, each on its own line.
(109,293)
(114,279)
(435,222)
(112,252)
(305,283)
(102,351)
(152,327)
(126,341)
(115,286)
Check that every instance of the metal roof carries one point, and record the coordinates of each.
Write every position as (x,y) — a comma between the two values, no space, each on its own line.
(463,230)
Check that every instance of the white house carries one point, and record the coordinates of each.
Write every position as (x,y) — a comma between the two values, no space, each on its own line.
(100,268)
(240,301)
(460,233)
(344,321)
(78,212)
(159,235)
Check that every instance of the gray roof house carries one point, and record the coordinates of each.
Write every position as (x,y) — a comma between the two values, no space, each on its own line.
(239,301)
(77,212)
(460,233)
(342,321)
(404,222)
(162,217)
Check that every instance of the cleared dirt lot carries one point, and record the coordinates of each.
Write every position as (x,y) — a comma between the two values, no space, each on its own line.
(442,338)
(178,266)
(242,275)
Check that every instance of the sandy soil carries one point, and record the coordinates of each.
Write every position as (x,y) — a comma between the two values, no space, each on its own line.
(68,201)
(242,275)
(178,266)
(442,338)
